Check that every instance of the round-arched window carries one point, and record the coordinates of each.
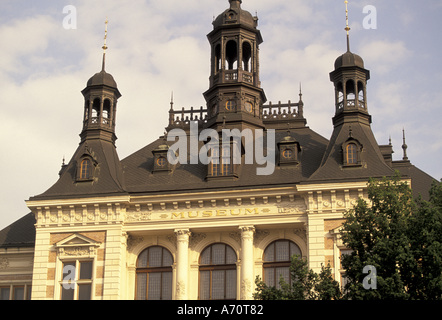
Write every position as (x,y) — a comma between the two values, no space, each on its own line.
(277,260)
(154,274)
(217,273)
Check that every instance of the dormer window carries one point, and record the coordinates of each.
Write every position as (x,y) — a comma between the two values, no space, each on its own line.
(161,164)
(352,152)
(289,150)
(85,169)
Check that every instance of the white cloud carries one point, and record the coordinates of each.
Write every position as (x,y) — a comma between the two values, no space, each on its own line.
(156,46)
(385,55)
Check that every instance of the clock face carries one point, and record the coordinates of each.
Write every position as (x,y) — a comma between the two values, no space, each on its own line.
(287,153)
(161,162)
(249,107)
(230,105)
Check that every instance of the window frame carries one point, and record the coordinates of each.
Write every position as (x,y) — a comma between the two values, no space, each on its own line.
(150,270)
(27,291)
(353,158)
(278,264)
(211,267)
(77,282)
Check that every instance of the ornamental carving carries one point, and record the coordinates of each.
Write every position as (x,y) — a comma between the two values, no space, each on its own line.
(138,216)
(4,263)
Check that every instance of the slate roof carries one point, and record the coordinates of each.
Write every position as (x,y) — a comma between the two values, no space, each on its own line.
(186,177)
(20,233)
(108,174)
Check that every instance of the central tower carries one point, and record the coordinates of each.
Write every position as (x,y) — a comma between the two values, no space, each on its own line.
(235,97)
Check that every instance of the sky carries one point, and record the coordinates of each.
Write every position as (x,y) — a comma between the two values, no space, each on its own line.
(47,54)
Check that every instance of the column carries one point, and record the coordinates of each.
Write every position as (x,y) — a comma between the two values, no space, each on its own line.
(182,263)
(247,262)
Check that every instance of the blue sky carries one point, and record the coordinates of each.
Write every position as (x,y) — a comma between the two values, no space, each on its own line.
(159,46)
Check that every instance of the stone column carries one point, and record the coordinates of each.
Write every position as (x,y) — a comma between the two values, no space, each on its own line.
(247,262)
(182,263)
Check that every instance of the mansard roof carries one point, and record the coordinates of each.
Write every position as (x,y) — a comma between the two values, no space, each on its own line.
(107,178)
(20,233)
(192,177)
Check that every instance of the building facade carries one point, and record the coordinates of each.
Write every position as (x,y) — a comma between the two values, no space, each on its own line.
(164,224)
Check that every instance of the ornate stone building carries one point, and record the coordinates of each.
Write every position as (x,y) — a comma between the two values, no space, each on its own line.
(148,227)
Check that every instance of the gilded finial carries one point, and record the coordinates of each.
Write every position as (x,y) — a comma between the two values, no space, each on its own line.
(347,27)
(104,45)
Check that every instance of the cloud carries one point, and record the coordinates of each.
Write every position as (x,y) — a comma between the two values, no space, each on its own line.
(156,46)
(385,55)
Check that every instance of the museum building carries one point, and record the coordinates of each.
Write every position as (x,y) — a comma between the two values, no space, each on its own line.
(148,227)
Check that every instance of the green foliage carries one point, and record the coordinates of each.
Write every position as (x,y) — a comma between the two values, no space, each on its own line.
(305,284)
(400,237)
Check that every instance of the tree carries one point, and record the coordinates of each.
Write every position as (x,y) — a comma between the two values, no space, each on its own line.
(399,237)
(425,233)
(305,284)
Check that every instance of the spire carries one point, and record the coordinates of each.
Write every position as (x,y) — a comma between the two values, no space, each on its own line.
(404,146)
(171,101)
(104,46)
(347,28)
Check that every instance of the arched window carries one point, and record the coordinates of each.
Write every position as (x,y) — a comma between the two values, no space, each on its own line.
(277,260)
(154,274)
(246,56)
(85,169)
(350,90)
(217,273)
(352,153)
(232,55)
(340,96)
(361,99)
(217,57)
(95,110)
(106,111)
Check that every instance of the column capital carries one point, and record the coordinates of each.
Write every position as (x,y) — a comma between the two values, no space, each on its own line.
(182,232)
(245,229)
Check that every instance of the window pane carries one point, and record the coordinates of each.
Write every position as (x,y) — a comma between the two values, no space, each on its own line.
(284,272)
(67,294)
(230,255)
(84,291)
(230,284)
(205,256)
(269,276)
(142,259)
(282,251)
(294,249)
(218,279)
(269,253)
(219,253)
(4,293)
(155,256)
(29,291)
(19,293)
(154,290)
(85,270)
(141,286)
(167,286)
(204,285)
(167,258)
(69,270)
